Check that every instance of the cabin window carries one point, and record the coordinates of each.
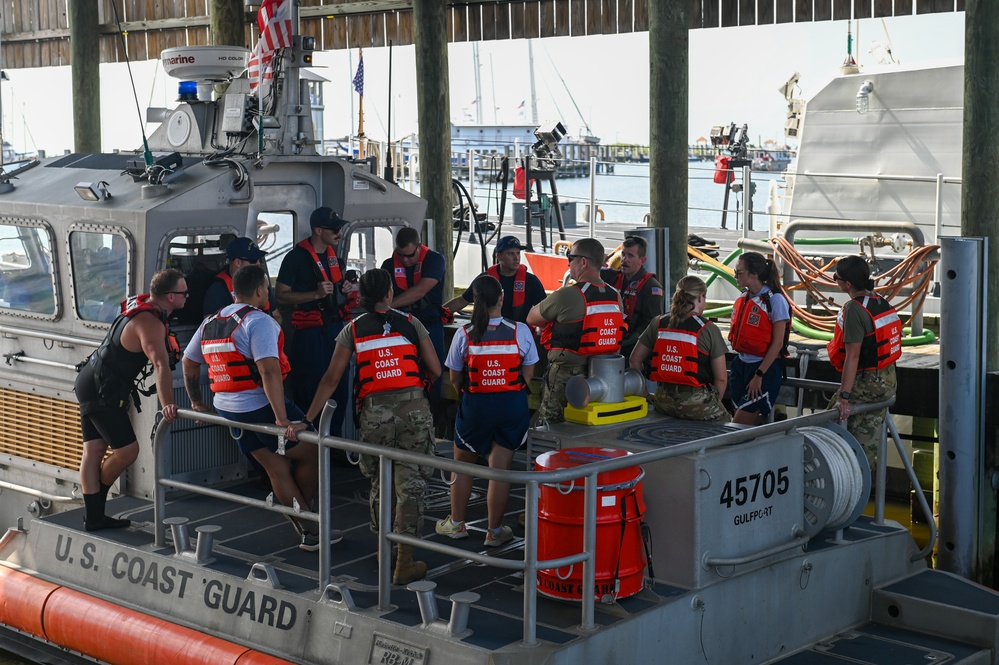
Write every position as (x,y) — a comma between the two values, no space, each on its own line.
(26,278)
(99,261)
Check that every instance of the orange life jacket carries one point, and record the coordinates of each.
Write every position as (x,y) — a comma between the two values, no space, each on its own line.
(630,291)
(387,358)
(493,363)
(401,283)
(676,357)
(330,269)
(599,331)
(751,329)
(227,280)
(879,349)
(229,370)
(519,283)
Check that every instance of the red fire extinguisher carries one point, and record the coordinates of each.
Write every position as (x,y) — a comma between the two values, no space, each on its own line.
(723,172)
(520,184)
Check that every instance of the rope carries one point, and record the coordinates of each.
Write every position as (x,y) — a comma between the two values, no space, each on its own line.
(844,471)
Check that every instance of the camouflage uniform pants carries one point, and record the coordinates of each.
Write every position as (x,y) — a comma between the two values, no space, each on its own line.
(408,426)
(869,386)
(690,403)
(553,400)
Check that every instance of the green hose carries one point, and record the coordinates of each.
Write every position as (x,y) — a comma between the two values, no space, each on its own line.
(719,272)
(728,259)
(807,331)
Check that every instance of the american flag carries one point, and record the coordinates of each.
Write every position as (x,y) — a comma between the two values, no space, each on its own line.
(359,77)
(274,21)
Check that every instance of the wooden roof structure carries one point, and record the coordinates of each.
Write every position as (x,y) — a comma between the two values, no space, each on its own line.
(35,33)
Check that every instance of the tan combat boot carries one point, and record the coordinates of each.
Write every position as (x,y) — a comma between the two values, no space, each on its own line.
(406,569)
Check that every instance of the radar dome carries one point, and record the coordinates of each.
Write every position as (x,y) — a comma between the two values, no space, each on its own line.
(204,63)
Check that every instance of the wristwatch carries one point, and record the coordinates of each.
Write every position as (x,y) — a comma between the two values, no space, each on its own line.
(845,395)
(759,373)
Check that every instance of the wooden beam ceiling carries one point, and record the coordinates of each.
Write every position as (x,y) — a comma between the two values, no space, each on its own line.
(36,33)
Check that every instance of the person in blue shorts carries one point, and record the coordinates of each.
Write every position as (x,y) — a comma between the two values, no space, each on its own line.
(761,320)
(491,361)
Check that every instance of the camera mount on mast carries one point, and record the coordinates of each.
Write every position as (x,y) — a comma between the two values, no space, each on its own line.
(733,140)
(541,164)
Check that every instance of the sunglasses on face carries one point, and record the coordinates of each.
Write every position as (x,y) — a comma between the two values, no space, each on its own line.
(410,255)
(570,257)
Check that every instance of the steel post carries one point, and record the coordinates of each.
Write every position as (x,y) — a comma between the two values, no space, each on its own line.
(962,395)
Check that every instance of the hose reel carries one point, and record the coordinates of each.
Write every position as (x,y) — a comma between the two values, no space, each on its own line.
(837,478)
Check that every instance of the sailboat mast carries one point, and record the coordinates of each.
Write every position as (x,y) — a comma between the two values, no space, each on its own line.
(534,96)
(478,84)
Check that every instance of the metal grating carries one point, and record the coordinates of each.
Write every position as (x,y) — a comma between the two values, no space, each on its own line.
(199,448)
(41,429)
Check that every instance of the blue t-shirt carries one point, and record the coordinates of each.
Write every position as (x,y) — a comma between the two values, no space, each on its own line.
(428,308)
(300,273)
(256,337)
(459,346)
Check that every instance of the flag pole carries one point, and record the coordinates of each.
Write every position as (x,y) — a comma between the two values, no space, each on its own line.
(361,142)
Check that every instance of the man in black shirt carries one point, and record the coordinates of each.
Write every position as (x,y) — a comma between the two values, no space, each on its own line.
(522,289)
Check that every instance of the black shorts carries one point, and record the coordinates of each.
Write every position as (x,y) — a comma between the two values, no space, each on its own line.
(98,419)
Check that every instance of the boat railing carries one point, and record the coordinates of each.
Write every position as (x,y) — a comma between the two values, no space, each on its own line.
(532,480)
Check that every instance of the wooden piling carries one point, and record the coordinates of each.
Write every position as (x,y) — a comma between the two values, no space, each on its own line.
(84,49)
(669,56)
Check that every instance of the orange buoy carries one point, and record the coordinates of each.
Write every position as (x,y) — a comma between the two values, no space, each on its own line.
(723,171)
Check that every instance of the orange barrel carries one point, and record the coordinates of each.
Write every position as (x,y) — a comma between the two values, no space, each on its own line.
(620,556)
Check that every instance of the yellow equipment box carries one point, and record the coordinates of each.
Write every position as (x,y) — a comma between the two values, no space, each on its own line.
(606,413)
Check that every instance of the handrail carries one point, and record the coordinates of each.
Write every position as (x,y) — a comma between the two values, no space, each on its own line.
(55,337)
(532,479)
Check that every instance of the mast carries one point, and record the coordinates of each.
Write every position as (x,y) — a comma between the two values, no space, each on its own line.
(534,96)
(478,84)
(361,140)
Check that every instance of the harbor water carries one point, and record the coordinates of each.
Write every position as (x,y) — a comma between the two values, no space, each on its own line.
(623,196)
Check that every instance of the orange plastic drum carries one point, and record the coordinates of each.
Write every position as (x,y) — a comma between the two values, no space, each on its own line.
(620,556)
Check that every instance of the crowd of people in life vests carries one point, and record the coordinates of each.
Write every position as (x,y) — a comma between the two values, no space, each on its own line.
(391,321)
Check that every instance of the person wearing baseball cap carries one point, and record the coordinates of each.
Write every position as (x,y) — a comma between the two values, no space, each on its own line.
(641,292)
(311,283)
(239,252)
(522,290)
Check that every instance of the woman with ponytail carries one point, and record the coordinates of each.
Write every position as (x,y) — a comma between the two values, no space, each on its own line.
(865,347)
(395,358)
(761,320)
(688,357)
(491,361)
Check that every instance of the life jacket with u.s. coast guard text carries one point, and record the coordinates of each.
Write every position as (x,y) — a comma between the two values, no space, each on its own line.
(676,358)
(599,331)
(493,363)
(229,370)
(386,345)
(879,349)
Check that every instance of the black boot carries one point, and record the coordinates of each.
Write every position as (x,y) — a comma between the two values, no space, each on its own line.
(95,519)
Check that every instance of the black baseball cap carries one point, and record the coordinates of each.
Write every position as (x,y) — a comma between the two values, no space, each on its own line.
(326,218)
(244,248)
(508,242)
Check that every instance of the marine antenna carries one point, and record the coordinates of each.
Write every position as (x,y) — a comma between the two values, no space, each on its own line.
(147,156)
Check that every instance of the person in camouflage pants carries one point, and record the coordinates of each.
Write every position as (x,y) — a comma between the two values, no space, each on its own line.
(694,403)
(406,425)
(869,386)
(551,410)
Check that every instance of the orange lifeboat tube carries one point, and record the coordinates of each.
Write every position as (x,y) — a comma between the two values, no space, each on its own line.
(108,632)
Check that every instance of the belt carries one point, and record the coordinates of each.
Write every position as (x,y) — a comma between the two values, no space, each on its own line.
(680,388)
(394,397)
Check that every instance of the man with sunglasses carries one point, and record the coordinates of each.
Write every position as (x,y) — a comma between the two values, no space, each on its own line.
(239,252)
(577,321)
(418,285)
(641,293)
(311,283)
(106,387)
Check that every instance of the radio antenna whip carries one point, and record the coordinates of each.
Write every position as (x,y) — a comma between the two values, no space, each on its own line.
(146,155)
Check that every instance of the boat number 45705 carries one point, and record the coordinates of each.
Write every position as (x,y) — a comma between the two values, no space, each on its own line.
(747,489)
